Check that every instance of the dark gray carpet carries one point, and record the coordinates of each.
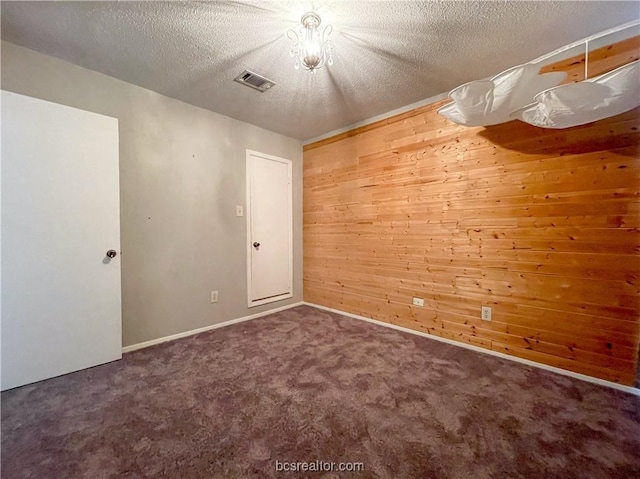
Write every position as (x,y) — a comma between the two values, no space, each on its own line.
(306,385)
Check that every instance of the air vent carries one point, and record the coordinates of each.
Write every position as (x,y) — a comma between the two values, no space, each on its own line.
(255,81)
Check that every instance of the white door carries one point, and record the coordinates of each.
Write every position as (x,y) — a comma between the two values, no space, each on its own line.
(60,300)
(269,223)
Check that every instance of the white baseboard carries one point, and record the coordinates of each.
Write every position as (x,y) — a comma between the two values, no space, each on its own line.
(146,344)
(564,372)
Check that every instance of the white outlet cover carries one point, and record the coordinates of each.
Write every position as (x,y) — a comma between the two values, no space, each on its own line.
(486,313)
(239,210)
(418,302)
(214,296)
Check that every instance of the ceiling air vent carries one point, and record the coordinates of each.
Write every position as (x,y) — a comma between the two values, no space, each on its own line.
(255,81)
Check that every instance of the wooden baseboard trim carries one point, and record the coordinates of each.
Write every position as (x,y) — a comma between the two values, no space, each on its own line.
(564,372)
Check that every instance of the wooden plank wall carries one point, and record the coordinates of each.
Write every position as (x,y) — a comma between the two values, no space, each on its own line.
(541,225)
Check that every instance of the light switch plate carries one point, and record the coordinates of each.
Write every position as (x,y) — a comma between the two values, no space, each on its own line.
(239,210)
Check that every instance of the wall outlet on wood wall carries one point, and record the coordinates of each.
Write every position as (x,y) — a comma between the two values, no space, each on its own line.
(486,313)
(418,302)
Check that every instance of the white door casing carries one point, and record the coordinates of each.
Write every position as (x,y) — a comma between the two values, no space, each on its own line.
(269,224)
(60,294)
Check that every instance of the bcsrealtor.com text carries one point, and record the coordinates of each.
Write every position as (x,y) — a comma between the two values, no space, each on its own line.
(318,466)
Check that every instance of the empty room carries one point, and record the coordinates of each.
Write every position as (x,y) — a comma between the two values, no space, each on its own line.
(341,239)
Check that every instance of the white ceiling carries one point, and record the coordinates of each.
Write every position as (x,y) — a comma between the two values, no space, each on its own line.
(387,54)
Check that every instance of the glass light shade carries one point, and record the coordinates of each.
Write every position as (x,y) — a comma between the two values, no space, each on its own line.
(312,50)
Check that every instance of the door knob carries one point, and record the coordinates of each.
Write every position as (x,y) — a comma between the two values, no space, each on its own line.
(256,244)
(111,253)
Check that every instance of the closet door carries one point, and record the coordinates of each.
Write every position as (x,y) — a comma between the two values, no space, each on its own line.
(269,224)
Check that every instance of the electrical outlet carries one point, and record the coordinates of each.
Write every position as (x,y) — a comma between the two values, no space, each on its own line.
(239,210)
(214,296)
(486,313)
(418,302)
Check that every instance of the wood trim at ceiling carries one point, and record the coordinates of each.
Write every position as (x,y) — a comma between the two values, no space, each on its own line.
(373,126)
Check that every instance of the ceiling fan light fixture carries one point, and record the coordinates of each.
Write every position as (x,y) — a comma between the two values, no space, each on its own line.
(312,48)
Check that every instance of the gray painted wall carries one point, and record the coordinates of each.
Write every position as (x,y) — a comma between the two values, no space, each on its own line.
(182,173)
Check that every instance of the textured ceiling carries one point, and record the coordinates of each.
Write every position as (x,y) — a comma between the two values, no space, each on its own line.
(387,54)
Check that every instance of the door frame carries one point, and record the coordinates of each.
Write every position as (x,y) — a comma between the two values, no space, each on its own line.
(289,294)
